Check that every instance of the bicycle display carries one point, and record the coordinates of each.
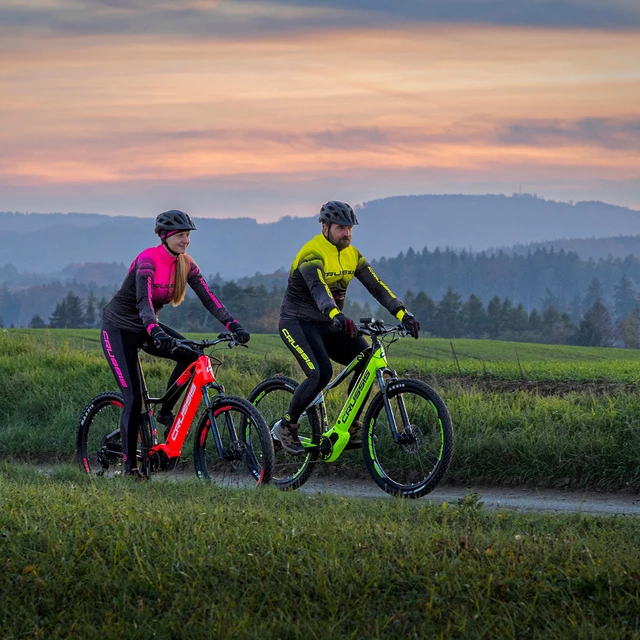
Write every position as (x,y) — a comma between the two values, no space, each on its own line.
(232,445)
(407,434)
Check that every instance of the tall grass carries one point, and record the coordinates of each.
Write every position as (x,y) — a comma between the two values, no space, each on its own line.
(581,439)
(117,559)
(522,438)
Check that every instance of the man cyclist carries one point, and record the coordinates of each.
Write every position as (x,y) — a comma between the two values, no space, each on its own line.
(312,324)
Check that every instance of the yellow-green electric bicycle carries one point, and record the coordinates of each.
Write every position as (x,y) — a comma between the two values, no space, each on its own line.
(407,435)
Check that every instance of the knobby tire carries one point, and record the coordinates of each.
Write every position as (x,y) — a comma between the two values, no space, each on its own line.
(98,442)
(414,466)
(248,451)
(272,397)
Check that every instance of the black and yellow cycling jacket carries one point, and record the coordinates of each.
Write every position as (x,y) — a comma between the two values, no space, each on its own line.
(318,281)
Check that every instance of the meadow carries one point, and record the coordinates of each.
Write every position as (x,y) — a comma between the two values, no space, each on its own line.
(581,431)
(110,558)
(116,559)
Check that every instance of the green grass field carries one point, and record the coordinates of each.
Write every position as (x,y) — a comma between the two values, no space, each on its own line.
(118,559)
(586,437)
(98,558)
(436,357)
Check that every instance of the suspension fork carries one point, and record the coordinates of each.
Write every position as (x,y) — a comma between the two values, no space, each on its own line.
(384,385)
(211,406)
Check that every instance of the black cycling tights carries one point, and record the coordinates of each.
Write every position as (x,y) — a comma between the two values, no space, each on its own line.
(121,350)
(315,344)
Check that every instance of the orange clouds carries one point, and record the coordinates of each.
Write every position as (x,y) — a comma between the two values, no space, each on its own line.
(453,98)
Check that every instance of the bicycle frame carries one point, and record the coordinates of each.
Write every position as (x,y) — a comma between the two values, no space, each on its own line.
(375,369)
(200,379)
(199,376)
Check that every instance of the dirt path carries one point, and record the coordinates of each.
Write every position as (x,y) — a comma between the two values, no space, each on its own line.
(544,500)
(516,498)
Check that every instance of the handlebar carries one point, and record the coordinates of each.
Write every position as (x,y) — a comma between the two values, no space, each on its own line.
(374,327)
(198,346)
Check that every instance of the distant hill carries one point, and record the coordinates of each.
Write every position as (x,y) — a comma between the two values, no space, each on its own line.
(595,248)
(235,248)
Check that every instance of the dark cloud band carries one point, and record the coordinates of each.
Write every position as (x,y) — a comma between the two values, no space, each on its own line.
(201,19)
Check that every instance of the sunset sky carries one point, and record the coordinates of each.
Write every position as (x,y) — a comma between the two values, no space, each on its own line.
(235,108)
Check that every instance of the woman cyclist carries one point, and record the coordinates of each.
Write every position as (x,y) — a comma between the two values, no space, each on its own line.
(157,276)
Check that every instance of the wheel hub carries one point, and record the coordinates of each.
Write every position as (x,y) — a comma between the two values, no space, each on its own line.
(411,439)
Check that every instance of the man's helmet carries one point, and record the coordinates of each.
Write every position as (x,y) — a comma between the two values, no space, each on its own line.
(336,212)
(173,220)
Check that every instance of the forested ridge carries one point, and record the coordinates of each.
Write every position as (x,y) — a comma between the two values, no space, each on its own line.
(544,296)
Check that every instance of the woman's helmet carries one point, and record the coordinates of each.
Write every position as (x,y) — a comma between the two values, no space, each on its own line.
(336,212)
(173,220)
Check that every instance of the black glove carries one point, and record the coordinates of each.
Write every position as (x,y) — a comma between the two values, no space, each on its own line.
(411,325)
(346,324)
(242,335)
(161,339)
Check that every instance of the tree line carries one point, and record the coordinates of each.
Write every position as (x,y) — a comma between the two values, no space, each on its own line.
(536,279)
(541,278)
(451,316)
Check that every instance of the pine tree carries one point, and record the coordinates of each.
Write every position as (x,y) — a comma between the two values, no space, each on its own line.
(474,318)
(448,316)
(595,328)
(424,309)
(36,322)
(68,314)
(594,292)
(556,326)
(90,318)
(58,319)
(630,329)
(494,317)
(518,320)
(624,297)
(535,322)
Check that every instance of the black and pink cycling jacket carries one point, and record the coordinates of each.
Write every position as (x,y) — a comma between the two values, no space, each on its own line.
(149,286)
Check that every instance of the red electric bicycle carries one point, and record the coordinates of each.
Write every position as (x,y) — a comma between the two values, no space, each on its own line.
(232,444)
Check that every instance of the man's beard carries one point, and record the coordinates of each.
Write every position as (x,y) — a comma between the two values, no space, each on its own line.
(341,243)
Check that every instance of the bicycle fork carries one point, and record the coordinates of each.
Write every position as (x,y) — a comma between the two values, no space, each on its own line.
(214,408)
(399,437)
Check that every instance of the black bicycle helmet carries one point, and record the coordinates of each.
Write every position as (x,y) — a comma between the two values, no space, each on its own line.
(336,212)
(173,220)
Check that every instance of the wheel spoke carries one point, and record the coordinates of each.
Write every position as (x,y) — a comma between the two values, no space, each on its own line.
(98,442)
(246,459)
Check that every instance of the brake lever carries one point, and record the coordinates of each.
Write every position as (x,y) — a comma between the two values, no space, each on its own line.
(234,343)
(189,348)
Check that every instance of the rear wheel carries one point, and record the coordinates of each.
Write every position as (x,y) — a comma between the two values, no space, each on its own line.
(272,398)
(413,464)
(246,456)
(98,442)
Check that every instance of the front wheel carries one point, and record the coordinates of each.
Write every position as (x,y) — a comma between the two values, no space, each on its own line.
(232,445)
(272,398)
(412,464)
(98,442)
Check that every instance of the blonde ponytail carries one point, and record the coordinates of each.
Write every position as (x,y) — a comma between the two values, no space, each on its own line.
(183,266)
